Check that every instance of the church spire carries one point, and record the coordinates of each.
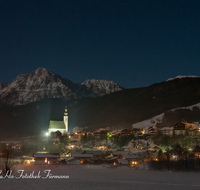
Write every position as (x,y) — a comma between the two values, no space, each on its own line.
(65,119)
(65,114)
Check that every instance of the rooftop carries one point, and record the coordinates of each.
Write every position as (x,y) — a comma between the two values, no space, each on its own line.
(56,125)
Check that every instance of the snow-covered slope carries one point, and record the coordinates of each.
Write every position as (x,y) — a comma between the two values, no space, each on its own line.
(183,76)
(158,118)
(43,83)
(101,87)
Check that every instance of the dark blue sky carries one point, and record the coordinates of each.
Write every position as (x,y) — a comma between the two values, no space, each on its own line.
(133,42)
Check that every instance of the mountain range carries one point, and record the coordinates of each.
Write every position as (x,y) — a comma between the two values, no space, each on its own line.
(31,100)
(43,83)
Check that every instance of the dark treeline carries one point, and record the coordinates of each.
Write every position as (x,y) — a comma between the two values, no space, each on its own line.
(177,159)
(179,165)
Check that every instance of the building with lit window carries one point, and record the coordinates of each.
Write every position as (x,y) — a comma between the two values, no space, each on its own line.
(61,126)
(46,158)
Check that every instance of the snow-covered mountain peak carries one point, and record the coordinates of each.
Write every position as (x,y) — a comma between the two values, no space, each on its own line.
(42,72)
(101,87)
(183,76)
(43,83)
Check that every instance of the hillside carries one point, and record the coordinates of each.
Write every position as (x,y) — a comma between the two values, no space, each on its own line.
(116,110)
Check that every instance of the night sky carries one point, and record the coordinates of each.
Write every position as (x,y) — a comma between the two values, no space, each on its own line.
(133,42)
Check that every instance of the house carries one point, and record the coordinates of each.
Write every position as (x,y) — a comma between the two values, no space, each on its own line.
(154,148)
(77,136)
(90,134)
(75,152)
(179,128)
(189,125)
(119,154)
(167,131)
(133,159)
(54,139)
(139,135)
(46,158)
(135,130)
(97,155)
(124,132)
(113,160)
(73,160)
(101,133)
(100,147)
(121,132)
(197,129)
(151,130)
(85,158)
(154,156)
(122,161)
(192,131)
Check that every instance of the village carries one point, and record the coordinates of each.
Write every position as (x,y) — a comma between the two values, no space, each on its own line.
(138,148)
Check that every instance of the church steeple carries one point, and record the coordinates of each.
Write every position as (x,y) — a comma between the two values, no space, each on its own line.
(65,119)
(65,111)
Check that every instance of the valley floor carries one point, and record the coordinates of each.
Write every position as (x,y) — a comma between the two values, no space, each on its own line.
(99,179)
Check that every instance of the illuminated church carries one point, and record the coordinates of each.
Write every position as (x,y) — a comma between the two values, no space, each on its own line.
(61,126)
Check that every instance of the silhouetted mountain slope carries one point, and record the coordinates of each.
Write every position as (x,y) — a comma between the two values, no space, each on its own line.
(116,110)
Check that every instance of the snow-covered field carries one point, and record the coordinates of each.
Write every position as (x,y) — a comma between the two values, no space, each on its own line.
(99,179)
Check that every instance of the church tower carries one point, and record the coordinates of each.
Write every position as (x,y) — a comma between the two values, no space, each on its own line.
(65,119)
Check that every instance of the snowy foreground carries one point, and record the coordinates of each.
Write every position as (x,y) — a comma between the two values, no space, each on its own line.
(98,179)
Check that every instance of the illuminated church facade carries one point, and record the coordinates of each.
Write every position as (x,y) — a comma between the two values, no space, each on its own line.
(61,126)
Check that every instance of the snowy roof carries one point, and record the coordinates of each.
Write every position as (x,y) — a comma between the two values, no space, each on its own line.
(114,158)
(56,125)
(82,155)
(155,153)
(70,158)
(46,155)
(120,152)
(139,151)
(131,156)
(76,151)
(95,152)
(122,161)
(166,128)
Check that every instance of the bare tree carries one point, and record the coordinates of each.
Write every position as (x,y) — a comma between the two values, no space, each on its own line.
(197,151)
(7,164)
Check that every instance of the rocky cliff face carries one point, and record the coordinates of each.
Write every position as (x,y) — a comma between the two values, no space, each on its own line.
(3,85)
(43,83)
